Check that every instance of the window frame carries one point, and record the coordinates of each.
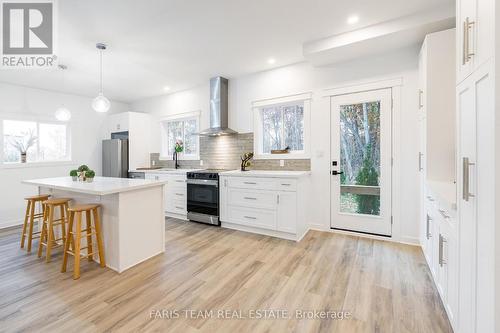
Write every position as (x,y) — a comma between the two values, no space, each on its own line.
(38,120)
(258,133)
(164,136)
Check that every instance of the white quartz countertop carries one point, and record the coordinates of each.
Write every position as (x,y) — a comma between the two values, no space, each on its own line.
(100,185)
(266,173)
(166,171)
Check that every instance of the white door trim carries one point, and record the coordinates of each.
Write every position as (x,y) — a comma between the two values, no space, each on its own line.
(362,86)
(395,84)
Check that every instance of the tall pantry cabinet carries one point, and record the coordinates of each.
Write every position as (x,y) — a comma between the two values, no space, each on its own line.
(476,192)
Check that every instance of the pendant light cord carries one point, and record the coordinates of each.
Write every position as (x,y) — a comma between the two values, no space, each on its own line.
(100,69)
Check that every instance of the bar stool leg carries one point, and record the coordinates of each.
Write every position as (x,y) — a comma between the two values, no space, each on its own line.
(100,246)
(50,233)
(63,223)
(67,243)
(89,236)
(76,269)
(32,222)
(26,216)
(43,234)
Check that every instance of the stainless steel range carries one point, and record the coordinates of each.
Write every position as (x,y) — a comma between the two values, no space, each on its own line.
(203,196)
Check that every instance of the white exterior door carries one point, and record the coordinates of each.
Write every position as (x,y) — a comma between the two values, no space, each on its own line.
(361,152)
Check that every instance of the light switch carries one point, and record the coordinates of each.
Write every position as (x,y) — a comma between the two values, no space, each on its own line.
(201,162)
(282,163)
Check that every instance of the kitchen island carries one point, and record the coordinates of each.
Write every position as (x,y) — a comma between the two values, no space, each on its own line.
(132,214)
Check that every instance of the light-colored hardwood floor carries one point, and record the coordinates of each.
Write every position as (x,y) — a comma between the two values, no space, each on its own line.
(386,287)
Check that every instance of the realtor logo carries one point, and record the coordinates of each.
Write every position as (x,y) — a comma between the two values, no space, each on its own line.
(27,34)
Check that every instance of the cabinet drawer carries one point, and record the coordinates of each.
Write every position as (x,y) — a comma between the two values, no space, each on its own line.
(176,206)
(252,183)
(176,180)
(286,185)
(252,217)
(176,191)
(254,199)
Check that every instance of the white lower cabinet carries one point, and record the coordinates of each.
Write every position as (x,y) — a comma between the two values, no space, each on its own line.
(440,246)
(271,206)
(175,193)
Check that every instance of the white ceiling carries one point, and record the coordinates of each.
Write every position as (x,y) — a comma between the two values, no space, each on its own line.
(182,43)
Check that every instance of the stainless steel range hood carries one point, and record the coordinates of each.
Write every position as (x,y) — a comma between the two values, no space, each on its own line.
(218,108)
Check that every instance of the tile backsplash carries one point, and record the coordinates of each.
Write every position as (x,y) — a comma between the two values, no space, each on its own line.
(223,152)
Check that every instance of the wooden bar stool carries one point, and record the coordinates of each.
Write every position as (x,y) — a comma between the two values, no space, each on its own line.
(73,238)
(30,217)
(47,237)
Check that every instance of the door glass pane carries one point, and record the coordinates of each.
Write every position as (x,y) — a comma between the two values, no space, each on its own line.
(360,158)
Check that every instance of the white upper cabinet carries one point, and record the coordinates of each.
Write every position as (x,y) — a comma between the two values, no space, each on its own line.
(475,35)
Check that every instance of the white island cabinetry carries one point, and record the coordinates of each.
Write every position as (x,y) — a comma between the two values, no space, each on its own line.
(132,214)
(272,203)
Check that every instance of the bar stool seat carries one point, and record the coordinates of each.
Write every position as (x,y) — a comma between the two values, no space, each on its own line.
(30,216)
(47,237)
(72,246)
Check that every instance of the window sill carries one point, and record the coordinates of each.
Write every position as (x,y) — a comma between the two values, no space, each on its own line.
(34,164)
(289,156)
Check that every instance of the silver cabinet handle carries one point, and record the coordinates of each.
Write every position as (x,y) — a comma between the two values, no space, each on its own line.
(285,184)
(464,43)
(182,208)
(467,55)
(179,194)
(250,183)
(420,94)
(443,213)
(278,199)
(420,161)
(225,182)
(441,260)
(465,179)
(428,233)
(180,181)
(250,217)
(249,198)
(431,199)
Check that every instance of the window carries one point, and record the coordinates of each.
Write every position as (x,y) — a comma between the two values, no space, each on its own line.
(281,125)
(184,129)
(42,142)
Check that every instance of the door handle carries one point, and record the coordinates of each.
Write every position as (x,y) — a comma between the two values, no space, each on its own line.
(335,172)
(420,93)
(466,179)
(441,260)
(428,234)
(420,161)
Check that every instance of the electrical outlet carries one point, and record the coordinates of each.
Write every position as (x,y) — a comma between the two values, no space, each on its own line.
(201,162)
(282,163)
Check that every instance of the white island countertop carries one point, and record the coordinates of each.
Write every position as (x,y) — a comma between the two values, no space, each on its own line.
(100,185)
(266,173)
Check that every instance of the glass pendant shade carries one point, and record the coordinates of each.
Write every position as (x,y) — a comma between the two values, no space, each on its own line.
(63,114)
(101,103)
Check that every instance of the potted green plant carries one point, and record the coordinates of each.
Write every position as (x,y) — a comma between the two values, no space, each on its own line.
(82,169)
(90,174)
(74,175)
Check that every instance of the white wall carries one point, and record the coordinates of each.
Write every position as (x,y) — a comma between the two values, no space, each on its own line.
(86,125)
(301,78)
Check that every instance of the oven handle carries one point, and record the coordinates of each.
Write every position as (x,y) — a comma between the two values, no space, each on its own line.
(203,182)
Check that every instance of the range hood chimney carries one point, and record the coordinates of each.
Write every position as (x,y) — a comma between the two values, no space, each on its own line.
(218,108)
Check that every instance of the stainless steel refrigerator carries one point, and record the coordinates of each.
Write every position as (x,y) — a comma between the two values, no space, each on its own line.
(115,158)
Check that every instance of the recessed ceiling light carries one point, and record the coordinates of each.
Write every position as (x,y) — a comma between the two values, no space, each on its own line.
(353,19)
(166,88)
(271,61)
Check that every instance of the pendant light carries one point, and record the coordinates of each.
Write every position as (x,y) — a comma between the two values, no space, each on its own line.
(100,103)
(62,113)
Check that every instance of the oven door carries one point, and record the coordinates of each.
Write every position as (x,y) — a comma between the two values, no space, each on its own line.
(202,198)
